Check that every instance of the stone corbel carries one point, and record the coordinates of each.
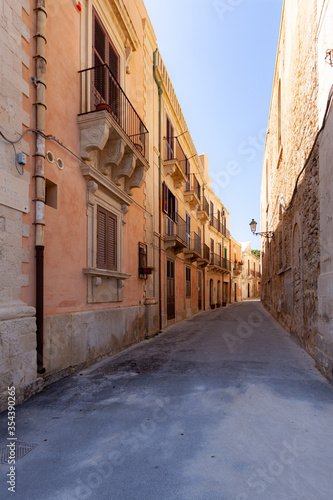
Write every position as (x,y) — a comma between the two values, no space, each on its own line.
(111,155)
(94,133)
(136,180)
(124,210)
(91,190)
(129,57)
(126,167)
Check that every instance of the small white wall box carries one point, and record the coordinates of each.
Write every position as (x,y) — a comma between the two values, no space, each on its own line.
(21,158)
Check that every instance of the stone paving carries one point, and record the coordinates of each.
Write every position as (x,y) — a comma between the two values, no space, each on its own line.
(221,406)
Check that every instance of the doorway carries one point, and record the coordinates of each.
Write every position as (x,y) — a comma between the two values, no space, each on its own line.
(171,310)
(199,290)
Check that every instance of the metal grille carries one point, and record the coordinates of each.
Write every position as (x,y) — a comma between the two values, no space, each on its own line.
(22,449)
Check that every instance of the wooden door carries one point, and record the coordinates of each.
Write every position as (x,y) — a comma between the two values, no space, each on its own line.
(171,303)
(199,290)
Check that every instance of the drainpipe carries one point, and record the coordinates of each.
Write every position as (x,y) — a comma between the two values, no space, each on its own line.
(160,92)
(40,105)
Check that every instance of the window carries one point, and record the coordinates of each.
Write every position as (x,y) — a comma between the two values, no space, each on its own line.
(212,251)
(211,210)
(170,203)
(106,240)
(219,254)
(219,220)
(105,58)
(254,268)
(169,140)
(248,267)
(188,282)
(188,229)
(142,258)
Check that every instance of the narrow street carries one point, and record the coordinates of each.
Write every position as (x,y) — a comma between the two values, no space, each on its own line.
(221,406)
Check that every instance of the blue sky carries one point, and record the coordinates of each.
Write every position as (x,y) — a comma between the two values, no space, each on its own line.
(220,55)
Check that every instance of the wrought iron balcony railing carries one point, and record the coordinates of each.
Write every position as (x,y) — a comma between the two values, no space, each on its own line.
(177,154)
(195,243)
(204,205)
(225,231)
(175,226)
(219,261)
(101,90)
(214,222)
(226,264)
(193,184)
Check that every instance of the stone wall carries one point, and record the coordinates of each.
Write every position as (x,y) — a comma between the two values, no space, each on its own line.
(289,195)
(17,322)
(76,340)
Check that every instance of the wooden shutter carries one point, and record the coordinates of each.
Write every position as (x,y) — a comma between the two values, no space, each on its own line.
(106,240)
(176,210)
(112,242)
(169,140)
(101,238)
(113,61)
(165,200)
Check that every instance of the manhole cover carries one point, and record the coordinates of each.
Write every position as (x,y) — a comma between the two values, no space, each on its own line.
(21,449)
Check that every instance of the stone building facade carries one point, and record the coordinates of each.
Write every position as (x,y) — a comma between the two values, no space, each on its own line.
(105,237)
(17,321)
(236,271)
(251,273)
(294,190)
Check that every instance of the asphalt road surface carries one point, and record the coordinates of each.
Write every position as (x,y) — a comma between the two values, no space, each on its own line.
(221,406)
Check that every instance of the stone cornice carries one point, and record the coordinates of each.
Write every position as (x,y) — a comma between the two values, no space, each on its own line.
(91,173)
(126,23)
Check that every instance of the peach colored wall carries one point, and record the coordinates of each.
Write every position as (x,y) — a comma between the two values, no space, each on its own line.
(66,226)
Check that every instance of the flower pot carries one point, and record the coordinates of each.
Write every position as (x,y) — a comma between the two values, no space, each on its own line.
(103,105)
(212,306)
(146,270)
(218,305)
(224,304)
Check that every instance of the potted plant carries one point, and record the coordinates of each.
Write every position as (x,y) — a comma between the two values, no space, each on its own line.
(146,270)
(212,306)
(218,304)
(102,105)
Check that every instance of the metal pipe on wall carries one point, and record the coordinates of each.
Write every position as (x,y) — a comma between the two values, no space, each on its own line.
(160,92)
(40,60)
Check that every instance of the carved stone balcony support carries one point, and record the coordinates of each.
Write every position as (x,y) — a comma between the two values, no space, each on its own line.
(108,148)
(174,169)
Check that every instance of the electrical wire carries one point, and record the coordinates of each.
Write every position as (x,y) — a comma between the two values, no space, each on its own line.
(51,137)
(48,137)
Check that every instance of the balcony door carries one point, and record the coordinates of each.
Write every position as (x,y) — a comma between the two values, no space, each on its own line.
(105,86)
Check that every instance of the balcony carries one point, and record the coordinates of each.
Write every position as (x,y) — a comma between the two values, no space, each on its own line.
(204,260)
(112,135)
(203,210)
(175,234)
(225,231)
(237,269)
(176,166)
(192,191)
(219,263)
(215,223)
(193,252)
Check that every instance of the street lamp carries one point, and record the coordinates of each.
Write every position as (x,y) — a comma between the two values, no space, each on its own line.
(265,234)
